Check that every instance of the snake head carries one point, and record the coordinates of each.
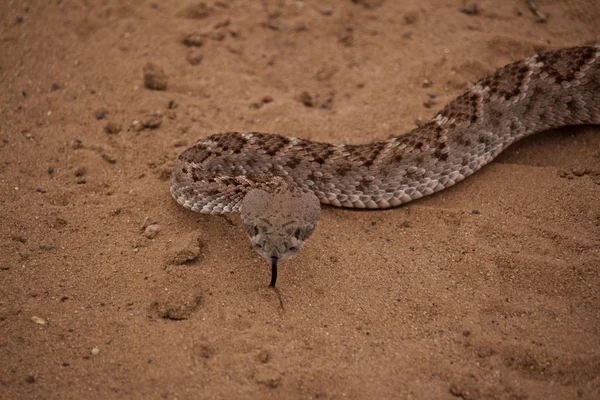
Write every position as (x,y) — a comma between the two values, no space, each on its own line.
(279,220)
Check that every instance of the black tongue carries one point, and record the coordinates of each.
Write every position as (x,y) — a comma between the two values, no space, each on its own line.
(273,271)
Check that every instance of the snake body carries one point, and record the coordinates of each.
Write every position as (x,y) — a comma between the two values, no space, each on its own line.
(548,90)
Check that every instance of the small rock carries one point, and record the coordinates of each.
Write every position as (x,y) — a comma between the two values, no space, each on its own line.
(427,83)
(429,103)
(40,190)
(112,128)
(306,99)
(172,105)
(193,40)
(470,9)
(109,159)
(100,113)
(19,238)
(194,58)
(151,231)
(267,99)
(264,356)
(80,171)
(186,251)
(153,122)
(30,379)
(76,144)
(95,351)
(38,320)
(137,126)
(154,77)
(80,180)
(56,86)
(176,306)
(476,212)
(51,170)
(19,19)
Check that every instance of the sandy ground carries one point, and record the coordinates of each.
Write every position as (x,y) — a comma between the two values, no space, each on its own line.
(488,290)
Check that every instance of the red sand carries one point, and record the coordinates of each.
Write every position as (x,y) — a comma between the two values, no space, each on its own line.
(430,300)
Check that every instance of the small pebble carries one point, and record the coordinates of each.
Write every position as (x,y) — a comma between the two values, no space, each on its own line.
(429,103)
(40,190)
(76,144)
(137,126)
(95,351)
(193,40)
(109,159)
(154,77)
(264,356)
(194,58)
(151,231)
(51,170)
(306,99)
(100,113)
(38,320)
(80,180)
(476,212)
(153,123)
(112,128)
(30,379)
(470,9)
(55,86)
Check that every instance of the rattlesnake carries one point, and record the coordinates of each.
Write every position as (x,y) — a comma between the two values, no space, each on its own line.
(277,182)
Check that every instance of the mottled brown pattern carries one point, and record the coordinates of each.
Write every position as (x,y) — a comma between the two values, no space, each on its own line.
(549,90)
